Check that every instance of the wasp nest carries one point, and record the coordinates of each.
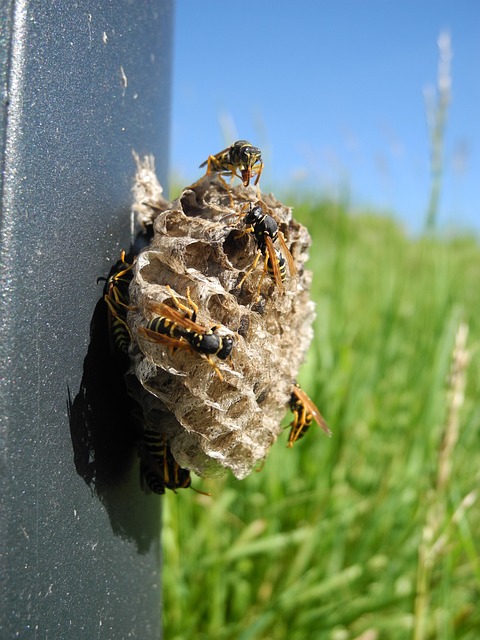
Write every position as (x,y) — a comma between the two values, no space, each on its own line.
(225,416)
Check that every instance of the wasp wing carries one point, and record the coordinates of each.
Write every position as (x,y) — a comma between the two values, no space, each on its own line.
(175,316)
(292,269)
(160,338)
(277,276)
(216,156)
(310,406)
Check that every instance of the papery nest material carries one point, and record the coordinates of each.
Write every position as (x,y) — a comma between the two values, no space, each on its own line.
(197,245)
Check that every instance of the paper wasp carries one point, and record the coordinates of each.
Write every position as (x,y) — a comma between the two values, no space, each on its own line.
(304,413)
(241,159)
(158,468)
(117,299)
(265,231)
(179,331)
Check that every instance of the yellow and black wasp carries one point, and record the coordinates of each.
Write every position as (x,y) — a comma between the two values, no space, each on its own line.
(304,413)
(265,231)
(240,159)
(179,331)
(158,468)
(117,299)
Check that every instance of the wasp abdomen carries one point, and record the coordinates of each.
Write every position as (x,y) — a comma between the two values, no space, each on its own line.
(166,327)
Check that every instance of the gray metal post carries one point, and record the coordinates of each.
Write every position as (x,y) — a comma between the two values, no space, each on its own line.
(83,84)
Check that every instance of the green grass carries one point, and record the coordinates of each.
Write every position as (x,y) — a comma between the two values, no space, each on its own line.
(363,535)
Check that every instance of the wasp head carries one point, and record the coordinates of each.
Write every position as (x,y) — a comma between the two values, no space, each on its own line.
(245,156)
(253,216)
(225,348)
(250,155)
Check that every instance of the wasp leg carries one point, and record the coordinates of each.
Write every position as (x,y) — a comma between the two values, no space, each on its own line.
(259,173)
(228,189)
(113,305)
(211,168)
(299,426)
(118,276)
(116,300)
(259,193)
(204,493)
(252,268)
(212,165)
(261,465)
(192,305)
(190,312)
(293,435)
(215,368)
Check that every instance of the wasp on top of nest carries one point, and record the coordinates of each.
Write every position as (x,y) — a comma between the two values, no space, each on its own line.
(241,160)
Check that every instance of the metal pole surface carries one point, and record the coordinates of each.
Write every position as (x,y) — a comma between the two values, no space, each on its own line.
(83,85)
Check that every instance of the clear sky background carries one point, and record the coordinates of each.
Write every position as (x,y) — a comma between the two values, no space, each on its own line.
(333,94)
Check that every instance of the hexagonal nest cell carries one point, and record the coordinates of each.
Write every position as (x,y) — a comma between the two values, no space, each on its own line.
(217,414)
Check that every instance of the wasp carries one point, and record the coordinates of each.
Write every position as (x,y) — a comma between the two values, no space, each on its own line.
(241,159)
(117,299)
(265,231)
(304,413)
(158,468)
(179,331)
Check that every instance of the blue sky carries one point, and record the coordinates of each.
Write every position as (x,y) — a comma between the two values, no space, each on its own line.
(333,94)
